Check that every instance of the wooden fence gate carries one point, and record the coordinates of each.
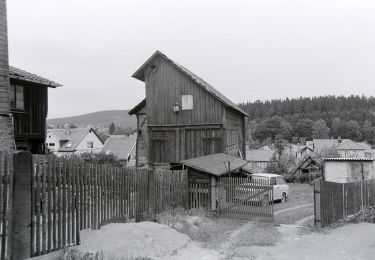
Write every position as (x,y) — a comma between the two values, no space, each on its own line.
(246,198)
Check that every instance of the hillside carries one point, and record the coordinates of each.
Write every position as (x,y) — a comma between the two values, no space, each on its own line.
(98,119)
(351,117)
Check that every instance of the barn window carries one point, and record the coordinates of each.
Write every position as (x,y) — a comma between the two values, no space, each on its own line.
(16,97)
(187,102)
(90,144)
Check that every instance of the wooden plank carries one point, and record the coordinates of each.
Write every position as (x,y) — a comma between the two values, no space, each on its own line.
(49,201)
(64,172)
(54,204)
(73,200)
(37,208)
(59,201)
(69,201)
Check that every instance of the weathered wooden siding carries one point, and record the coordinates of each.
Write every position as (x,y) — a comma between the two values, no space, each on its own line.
(234,128)
(176,144)
(165,87)
(30,124)
(4,63)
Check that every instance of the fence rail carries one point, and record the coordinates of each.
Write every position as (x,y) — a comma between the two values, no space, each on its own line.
(335,201)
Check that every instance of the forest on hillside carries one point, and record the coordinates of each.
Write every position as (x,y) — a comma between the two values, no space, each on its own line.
(301,119)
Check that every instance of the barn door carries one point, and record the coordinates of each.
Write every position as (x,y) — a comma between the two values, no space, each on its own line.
(200,142)
(163,146)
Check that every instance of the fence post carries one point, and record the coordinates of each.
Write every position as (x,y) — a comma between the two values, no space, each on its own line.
(343,201)
(151,193)
(21,212)
(317,205)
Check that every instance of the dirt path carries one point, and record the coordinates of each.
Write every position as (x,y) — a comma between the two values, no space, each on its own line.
(294,208)
(305,220)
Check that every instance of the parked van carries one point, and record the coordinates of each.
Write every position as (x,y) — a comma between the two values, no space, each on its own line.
(280,187)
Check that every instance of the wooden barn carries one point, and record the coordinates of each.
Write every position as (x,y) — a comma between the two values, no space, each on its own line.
(183,116)
(28,106)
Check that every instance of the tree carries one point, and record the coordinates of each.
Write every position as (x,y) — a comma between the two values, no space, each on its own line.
(303,128)
(272,127)
(335,126)
(72,125)
(368,132)
(281,162)
(320,130)
(112,128)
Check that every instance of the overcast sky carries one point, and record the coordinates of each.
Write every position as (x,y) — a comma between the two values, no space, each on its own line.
(248,50)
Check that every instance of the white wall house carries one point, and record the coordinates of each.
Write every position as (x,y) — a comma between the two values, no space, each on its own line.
(345,170)
(68,141)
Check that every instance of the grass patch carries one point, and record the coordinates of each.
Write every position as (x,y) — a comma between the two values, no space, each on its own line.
(259,234)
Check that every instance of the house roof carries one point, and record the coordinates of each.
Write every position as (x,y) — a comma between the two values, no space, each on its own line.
(348,144)
(18,74)
(120,145)
(259,155)
(302,162)
(215,164)
(139,74)
(73,137)
(323,144)
(138,107)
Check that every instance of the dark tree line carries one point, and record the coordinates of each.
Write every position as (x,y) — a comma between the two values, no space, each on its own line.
(303,119)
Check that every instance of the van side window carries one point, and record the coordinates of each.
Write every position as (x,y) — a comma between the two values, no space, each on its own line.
(273,181)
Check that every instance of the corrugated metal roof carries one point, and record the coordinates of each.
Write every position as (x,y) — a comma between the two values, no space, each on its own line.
(139,74)
(120,145)
(18,74)
(215,164)
(348,159)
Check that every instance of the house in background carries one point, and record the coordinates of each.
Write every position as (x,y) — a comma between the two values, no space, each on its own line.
(345,170)
(345,147)
(121,146)
(183,116)
(28,107)
(259,157)
(68,141)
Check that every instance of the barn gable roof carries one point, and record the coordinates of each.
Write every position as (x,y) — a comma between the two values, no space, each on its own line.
(139,74)
(18,74)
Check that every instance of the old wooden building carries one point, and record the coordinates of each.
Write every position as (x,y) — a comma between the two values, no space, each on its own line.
(28,106)
(183,116)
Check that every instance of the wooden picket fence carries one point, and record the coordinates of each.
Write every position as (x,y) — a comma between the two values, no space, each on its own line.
(200,194)
(336,201)
(246,199)
(70,195)
(170,190)
(6,180)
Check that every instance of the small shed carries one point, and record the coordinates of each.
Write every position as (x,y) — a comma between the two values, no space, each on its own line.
(307,168)
(207,169)
(344,170)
